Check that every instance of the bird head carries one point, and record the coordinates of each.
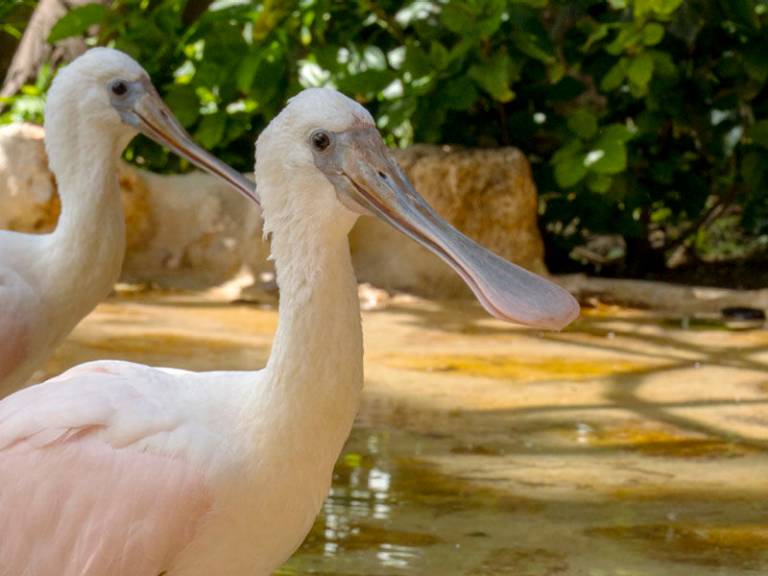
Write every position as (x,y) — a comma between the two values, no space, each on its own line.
(107,89)
(328,146)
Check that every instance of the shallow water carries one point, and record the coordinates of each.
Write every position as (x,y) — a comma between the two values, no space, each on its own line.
(624,446)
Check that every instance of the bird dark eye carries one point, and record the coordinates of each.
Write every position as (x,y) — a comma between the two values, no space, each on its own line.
(119,87)
(320,140)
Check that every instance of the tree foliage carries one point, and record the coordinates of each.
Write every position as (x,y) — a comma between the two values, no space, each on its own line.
(644,118)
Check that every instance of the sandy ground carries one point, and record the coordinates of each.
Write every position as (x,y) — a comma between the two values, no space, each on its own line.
(623,446)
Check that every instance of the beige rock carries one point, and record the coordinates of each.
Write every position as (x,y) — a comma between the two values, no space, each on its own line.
(200,230)
(28,200)
(192,231)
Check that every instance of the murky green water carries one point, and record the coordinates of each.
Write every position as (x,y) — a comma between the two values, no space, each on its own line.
(393,510)
(625,446)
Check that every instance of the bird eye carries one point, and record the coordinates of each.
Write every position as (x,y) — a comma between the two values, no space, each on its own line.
(320,140)
(119,87)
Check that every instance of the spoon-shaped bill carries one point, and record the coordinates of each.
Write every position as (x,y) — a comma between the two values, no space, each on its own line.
(144,109)
(366,176)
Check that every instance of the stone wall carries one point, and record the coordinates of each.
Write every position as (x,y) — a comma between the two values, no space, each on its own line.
(192,231)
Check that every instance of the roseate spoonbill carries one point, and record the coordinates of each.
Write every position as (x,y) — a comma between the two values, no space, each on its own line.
(49,282)
(120,469)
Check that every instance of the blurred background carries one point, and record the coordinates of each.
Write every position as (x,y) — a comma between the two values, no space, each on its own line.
(645,122)
(620,146)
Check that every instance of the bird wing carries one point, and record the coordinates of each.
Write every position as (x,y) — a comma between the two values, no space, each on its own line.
(95,474)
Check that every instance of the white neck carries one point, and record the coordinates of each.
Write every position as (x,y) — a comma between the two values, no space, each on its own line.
(81,259)
(313,379)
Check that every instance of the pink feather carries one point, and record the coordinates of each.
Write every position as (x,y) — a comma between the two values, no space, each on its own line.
(78,496)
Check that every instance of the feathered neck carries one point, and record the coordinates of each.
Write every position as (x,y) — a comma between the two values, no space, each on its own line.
(314,376)
(82,257)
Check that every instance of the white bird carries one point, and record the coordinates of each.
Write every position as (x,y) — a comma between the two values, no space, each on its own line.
(121,469)
(48,283)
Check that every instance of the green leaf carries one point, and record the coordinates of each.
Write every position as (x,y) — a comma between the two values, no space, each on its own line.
(456,16)
(184,103)
(607,157)
(570,171)
(615,76)
(569,164)
(617,132)
(599,183)
(583,123)
(556,71)
(609,153)
(663,65)
(529,35)
(246,71)
(653,33)
(600,31)
(536,46)
(417,61)
(475,18)
(629,36)
(77,21)
(365,84)
(438,55)
(660,8)
(640,70)
(211,130)
(759,133)
(494,76)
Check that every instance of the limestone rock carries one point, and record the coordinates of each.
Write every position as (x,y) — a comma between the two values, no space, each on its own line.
(28,200)
(200,227)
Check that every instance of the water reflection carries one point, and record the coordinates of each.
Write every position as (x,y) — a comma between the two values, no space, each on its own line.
(392,512)
(356,515)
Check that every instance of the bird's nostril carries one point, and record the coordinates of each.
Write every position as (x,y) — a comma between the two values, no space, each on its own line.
(382,175)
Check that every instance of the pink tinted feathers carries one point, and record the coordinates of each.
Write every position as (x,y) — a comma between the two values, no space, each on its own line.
(71,504)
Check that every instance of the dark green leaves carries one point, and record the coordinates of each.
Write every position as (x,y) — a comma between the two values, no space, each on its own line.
(759,133)
(636,113)
(569,164)
(211,130)
(601,153)
(473,17)
(529,35)
(640,71)
(583,123)
(608,154)
(77,21)
(658,8)
(495,76)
